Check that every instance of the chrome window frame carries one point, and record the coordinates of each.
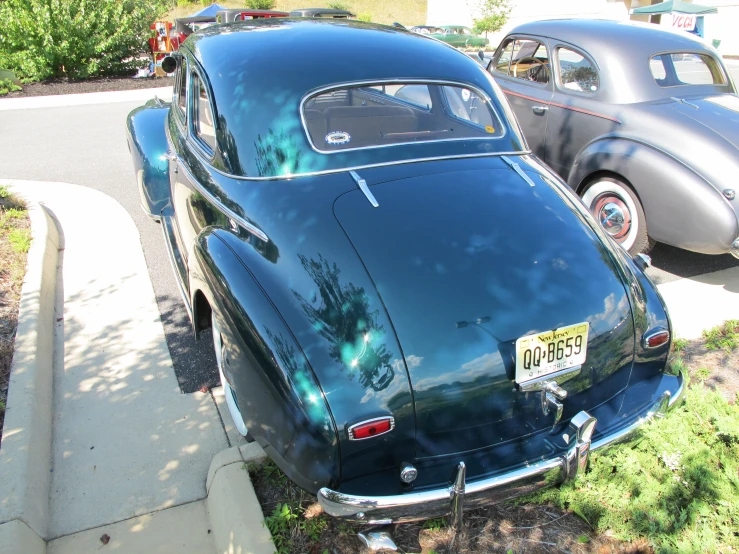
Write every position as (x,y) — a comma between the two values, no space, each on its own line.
(206,150)
(181,117)
(322,90)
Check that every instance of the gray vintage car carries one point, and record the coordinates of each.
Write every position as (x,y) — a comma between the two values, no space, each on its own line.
(641,122)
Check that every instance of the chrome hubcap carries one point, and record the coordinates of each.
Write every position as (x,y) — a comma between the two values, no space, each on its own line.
(613,215)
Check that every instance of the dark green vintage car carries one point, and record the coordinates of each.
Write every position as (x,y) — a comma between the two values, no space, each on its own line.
(461,37)
(398,291)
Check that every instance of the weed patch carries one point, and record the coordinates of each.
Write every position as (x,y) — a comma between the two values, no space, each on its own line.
(723,337)
(15,239)
(678,487)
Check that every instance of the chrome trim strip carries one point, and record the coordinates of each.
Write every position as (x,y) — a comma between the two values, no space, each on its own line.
(338,86)
(350,429)
(437,502)
(366,166)
(362,184)
(250,227)
(517,169)
(170,256)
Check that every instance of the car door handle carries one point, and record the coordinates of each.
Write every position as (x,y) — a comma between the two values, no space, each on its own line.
(539,110)
(171,156)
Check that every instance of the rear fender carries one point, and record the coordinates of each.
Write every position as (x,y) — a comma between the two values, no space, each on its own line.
(682,209)
(147,142)
(282,404)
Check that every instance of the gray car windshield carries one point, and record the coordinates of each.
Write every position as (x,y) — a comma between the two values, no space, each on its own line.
(370,116)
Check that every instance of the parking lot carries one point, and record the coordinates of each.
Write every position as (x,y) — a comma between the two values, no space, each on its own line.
(86,145)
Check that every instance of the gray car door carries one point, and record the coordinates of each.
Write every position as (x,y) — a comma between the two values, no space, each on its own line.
(576,113)
(521,68)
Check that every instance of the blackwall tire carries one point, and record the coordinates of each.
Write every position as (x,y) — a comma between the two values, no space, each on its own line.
(618,211)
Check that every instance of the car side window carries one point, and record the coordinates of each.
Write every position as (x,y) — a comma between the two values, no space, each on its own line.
(203,124)
(685,68)
(181,90)
(576,72)
(524,59)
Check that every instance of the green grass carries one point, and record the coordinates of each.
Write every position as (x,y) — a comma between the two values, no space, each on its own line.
(678,488)
(723,337)
(679,344)
(20,240)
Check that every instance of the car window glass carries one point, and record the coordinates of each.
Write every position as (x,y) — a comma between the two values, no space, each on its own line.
(203,117)
(501,64)
(181,96)
(415,94)
(684,68)
(397,113)
(467,105)
(576,72)
(529,61)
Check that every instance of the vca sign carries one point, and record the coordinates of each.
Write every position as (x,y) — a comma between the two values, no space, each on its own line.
(683,21)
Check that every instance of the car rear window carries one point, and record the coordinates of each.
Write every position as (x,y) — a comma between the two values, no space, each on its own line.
(369,116)
(685,68)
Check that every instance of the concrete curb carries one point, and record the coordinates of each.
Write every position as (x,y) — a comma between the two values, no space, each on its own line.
(84,99)
(236,518)
(25,456)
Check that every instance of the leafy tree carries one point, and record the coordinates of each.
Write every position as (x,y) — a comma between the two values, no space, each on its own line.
(260,4)
(491,15)
(75,38)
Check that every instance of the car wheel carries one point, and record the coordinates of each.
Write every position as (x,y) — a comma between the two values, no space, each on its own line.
(619,212)
(228,392)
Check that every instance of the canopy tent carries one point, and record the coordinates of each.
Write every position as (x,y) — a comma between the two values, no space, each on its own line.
(209,11)
(677,6)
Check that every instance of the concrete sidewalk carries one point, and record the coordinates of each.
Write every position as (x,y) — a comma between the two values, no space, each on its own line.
(126,442)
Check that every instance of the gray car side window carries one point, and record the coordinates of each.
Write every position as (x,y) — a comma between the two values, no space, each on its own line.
(576,72)
(525,59)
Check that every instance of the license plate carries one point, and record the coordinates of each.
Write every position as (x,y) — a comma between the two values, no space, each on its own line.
(551,351)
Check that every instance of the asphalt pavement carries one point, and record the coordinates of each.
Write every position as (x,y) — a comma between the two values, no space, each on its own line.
(86,145)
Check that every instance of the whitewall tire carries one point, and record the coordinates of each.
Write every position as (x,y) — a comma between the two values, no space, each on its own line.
(228,392)
(618,211)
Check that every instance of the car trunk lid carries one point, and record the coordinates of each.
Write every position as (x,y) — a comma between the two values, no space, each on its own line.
(466,262)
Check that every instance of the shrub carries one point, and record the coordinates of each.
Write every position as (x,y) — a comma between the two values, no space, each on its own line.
(338,6)
(367,17)
(75,38)
(260,4)
(6,86)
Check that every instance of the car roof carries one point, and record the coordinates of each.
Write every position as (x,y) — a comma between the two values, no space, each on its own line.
(259,71)
(624,48)
(634,39)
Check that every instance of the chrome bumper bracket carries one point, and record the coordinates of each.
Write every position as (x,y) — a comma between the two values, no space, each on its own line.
(451,500)
(456,516)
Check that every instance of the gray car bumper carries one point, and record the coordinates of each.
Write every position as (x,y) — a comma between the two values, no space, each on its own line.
(453,499)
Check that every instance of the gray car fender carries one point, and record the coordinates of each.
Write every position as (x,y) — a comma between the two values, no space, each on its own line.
(670,192)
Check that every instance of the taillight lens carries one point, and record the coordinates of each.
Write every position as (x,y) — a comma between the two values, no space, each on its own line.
(371,428)
(655,338)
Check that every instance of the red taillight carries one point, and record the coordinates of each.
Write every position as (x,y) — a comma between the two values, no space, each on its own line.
(656,338)
(371,428)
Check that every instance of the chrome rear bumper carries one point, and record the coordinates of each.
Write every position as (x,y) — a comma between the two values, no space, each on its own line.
(379,510)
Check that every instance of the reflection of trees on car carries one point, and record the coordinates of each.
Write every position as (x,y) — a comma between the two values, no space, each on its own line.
(344,318)
(584,76)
